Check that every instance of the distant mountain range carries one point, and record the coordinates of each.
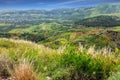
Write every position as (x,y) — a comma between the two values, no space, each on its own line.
(107,8)
(57,15)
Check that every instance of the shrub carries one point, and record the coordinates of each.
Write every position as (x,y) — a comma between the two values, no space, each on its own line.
(61,74)
(87,67)
(24,71)
(6,43)
(5,65)
(114,76)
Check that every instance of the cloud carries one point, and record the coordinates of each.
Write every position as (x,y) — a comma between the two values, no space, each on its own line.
(42,3)
(70,2)
(12,1)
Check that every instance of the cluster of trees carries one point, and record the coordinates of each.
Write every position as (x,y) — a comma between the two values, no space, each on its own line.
(25,36)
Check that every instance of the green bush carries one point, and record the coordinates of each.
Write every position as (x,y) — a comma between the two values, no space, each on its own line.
(6,43)
(114,76)
(85,66)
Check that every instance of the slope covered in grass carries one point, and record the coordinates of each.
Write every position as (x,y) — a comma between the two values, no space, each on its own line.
(101,21)
(19,52)
(29,61)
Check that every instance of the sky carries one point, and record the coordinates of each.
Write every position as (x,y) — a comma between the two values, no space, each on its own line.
(50,4)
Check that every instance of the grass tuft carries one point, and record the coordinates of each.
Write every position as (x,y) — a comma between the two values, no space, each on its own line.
(24,71)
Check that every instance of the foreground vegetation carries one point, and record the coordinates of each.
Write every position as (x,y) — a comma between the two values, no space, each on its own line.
(24,60)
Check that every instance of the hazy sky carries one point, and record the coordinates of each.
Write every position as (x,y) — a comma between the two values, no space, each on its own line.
(48,4)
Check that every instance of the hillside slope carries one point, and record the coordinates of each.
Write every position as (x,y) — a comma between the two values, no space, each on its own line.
(100,21)
(23,60)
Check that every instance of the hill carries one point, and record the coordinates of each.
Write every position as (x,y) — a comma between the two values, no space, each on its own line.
(107,38)
(107,8)
(55,35)
(100,21)
(23,60)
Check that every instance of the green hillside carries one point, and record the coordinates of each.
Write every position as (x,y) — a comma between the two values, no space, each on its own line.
(100,21)
(30,61)
(107,8)
(55,35)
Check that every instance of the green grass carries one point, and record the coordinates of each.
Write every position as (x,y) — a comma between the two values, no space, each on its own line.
(114,76)
(116,28)
(67,63)
(3,25)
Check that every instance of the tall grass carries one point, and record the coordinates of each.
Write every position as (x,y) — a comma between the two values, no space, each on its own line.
(114,76)
(5,64)
(24,71)
(67,63)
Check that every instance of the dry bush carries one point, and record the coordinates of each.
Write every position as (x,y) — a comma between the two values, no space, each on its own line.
(106,52)
(24,71)
(5,65)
